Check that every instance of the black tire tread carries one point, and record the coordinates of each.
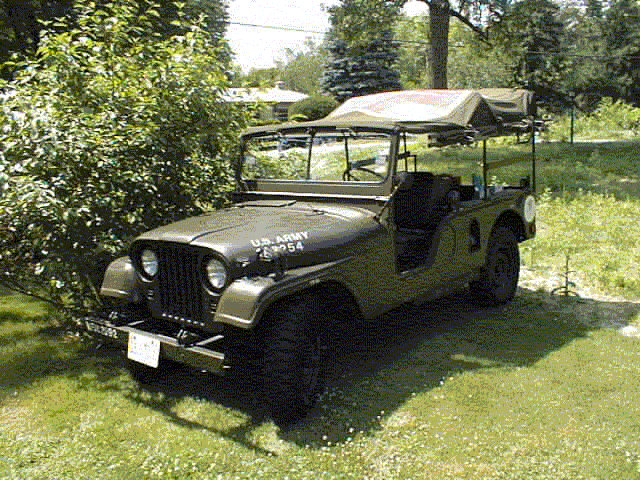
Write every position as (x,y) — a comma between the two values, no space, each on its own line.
(483,291)
(289,329)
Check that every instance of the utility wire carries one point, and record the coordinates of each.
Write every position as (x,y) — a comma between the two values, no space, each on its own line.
(276,27)
(451,46)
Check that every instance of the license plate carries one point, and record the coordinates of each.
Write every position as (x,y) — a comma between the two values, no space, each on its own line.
(143,349)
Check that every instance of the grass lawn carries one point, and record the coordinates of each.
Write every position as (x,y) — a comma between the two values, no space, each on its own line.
(537,389)
(543,388)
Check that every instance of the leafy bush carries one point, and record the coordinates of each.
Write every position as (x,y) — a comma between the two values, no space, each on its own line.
(312,108)
(109,132)
(611,119)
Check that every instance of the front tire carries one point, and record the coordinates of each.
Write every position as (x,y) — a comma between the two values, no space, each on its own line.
(293,373)
(499,279)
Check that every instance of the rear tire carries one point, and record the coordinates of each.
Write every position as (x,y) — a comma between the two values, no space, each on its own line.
(293,373)
(499,279)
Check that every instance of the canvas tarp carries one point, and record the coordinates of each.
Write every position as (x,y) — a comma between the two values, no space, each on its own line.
(461,108)
(460,114)
(509,105)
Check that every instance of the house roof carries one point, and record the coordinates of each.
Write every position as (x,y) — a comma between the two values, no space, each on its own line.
(267,95)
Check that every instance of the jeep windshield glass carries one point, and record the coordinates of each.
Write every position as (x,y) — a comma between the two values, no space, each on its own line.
(322,156)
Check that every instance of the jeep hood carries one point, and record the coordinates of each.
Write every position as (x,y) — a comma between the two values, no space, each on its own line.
(293,228)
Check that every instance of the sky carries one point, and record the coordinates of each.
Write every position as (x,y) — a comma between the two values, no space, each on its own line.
(260,47)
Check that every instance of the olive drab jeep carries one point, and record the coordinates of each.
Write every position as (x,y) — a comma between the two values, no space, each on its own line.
(371,207)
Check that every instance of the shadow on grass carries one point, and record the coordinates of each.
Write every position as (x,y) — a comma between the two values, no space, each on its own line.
(376,367)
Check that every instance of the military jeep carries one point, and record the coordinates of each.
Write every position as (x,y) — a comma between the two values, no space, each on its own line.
(349,216)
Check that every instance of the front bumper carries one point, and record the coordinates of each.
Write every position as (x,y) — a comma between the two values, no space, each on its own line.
(198,354)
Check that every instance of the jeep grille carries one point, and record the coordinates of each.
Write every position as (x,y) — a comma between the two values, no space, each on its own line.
(180,296)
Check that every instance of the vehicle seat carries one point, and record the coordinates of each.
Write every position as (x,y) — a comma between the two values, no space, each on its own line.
(423,203)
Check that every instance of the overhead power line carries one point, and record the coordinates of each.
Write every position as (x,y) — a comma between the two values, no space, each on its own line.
(451,46)
(277,27)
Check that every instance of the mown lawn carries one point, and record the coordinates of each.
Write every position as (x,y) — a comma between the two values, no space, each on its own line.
(537,389)
(543,388)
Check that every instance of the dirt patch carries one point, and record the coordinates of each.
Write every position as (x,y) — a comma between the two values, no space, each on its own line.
(12,418)
(589,307)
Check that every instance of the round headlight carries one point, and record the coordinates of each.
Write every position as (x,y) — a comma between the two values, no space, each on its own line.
(149,262)
(216,273)
(529,209)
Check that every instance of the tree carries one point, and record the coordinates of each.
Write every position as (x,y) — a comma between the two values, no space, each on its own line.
(22,21)
(586,79)
(532,33)
(473,63)
(621,35)
(362,51)
(301,71)
(111,130)
(413,65)
(259,78)
(472,13)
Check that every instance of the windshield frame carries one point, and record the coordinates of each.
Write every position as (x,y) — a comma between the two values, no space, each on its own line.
(324,187)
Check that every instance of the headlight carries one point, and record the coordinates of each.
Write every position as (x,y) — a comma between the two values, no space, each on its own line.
(216,273)
(529,209)
(149,262)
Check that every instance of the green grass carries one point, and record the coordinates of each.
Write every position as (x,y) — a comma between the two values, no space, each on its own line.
(609,168)
(599,234)
(537,389)
(543,388)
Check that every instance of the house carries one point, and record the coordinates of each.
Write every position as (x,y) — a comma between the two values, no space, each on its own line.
(276,100)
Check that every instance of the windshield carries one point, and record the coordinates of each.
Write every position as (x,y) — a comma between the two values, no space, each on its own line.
(333,156)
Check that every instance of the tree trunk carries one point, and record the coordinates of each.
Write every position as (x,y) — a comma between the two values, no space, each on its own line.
(439,22)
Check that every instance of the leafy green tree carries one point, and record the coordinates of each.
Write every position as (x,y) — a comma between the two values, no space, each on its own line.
(414,51)
(22,21)
(474,63)
(110,131)
(259,78)
(586,79)
(475,14)
(301,70)
(362,51)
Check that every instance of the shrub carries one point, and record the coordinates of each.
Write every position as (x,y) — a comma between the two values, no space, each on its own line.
(611,119)
(109,132)
(312,108)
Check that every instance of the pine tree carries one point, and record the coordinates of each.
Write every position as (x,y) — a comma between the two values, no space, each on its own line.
(533,34)
(361,48)
(622,43)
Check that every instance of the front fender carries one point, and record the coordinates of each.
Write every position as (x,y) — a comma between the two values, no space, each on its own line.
(246,299)
(121,281)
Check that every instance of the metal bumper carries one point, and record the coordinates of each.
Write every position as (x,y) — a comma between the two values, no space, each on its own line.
(197,355)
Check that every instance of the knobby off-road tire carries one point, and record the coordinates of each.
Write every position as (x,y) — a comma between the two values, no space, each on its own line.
(293,372)
(500,274)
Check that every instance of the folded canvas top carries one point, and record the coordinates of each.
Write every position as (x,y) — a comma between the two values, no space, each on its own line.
(486,112)
(462,108)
